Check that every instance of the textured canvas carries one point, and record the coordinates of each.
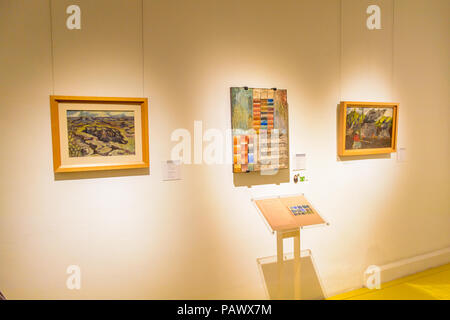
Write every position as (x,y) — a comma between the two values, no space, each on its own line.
(100,133)
(260,129)
(368,128)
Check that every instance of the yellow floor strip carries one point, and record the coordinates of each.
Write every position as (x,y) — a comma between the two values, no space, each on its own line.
(432,284)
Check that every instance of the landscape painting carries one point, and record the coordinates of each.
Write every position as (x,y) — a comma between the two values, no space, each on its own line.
(368,128)
(259,119)
(100,133)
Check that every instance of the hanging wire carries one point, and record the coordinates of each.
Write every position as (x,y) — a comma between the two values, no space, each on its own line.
(143,49)
(51,47)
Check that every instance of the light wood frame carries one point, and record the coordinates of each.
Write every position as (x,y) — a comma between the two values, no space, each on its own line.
(54,112)
(342,128)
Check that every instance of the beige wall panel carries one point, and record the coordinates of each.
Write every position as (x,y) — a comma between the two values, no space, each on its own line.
(366,54)
(389,65)
(29,266)
(105,237)
(421,82)
(104,57)
(195,51)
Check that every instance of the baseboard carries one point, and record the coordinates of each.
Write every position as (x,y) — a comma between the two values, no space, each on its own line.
(409,266)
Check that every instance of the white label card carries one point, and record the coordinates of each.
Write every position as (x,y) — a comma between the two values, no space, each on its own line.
(401,154)
(300,161)
(171,170)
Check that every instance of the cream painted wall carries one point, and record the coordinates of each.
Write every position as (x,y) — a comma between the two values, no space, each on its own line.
(135,236)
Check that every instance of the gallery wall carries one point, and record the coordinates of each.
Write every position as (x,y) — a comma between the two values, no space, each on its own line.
(136,236)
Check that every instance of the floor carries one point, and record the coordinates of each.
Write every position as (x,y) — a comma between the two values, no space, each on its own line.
(432,284)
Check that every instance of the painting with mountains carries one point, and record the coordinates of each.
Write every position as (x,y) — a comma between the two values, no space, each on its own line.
(100,133)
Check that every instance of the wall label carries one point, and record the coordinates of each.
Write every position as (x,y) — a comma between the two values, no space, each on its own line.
(171,170)
(74,20)
(374,20)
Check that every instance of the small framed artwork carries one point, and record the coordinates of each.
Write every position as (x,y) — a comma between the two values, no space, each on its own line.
(97,133)
(367,128)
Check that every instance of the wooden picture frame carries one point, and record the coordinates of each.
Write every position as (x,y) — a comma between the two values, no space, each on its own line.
(367,128)
(99,133)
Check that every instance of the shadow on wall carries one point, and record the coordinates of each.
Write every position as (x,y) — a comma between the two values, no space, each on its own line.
(365,157)
(352,158)
(101,174)
(249,179)
(2,297)
(310,284)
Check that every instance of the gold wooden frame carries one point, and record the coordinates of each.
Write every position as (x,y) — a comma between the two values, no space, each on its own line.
(54,112)
(342,128)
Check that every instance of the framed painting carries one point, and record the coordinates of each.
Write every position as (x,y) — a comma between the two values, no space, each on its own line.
(97,133)
(367,128)
(260,129)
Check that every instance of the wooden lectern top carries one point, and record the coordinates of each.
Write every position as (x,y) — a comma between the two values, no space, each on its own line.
(277,213)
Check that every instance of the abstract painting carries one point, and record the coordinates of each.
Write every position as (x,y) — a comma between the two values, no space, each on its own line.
(93,133)
(259,119)
(367,128)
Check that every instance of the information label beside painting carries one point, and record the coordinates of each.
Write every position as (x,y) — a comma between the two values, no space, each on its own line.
(171,170)
(260,129)
(91,133)
(367,128)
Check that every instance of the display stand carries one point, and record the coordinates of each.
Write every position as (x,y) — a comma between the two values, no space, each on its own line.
(284,220)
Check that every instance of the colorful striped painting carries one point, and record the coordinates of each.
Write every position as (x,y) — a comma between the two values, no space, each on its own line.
(260,129)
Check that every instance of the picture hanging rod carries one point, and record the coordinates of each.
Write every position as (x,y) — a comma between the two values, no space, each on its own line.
(274,89)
